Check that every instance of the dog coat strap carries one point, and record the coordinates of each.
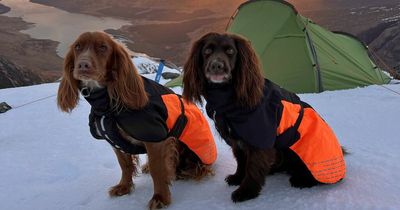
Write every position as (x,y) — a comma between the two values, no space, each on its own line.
(187,123)
(291,135)
(299,119)
(180,123)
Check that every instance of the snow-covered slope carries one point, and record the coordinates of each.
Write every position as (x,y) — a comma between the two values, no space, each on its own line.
(50,161)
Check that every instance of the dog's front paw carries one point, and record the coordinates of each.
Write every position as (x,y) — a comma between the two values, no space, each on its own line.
(241,195)
(158,202)
(120,189)
(233,180)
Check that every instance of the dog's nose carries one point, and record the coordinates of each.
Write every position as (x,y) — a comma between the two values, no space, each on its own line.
(217,66)
(84,65)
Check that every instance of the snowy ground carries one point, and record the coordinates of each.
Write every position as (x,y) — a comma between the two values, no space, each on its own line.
(50,161)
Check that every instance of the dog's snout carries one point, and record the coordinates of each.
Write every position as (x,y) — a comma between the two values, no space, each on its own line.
(217,66)
(84,65)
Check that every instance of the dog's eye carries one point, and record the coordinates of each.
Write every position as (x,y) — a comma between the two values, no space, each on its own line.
(208,51)
(230,51)
(77,47)
(102,48)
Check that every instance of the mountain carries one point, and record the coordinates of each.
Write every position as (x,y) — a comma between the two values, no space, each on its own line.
(36,59)
(386,43)
(315,5)
(4,9)
(12,75)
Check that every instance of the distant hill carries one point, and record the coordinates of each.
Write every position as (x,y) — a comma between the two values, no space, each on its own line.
(4,9)
(12,75)
(24,60)
(315,5)
(384,39)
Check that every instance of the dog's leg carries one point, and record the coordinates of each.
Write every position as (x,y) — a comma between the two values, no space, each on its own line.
(240,156)
(162,166)
(128,168)
(300,176)
(145,168)
(258,165)
(190,165)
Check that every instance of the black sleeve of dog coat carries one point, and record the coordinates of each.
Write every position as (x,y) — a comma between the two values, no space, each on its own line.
(144,125)
(256,127)
(92,126)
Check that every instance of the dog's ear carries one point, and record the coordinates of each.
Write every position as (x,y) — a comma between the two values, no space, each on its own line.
(126,87)
(193,74)
(247,77)
(68,94)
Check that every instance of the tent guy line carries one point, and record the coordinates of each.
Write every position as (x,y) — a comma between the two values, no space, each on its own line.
(34,101)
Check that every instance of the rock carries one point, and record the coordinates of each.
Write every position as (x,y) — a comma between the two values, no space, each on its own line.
(4,107)
(170,75)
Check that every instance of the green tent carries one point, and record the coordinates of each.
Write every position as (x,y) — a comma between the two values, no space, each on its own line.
(298,54)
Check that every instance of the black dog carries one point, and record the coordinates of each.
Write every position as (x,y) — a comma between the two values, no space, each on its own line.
(269,129)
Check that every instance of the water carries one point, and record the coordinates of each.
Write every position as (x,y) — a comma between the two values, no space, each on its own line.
(58,25)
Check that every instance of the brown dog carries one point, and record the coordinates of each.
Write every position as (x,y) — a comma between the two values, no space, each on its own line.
(269,129)
(138,109)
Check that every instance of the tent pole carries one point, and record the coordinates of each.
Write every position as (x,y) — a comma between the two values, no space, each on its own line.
(314,54)
(230,19)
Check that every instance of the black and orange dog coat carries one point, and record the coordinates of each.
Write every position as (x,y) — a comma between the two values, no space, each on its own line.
(166,114)
(281,120)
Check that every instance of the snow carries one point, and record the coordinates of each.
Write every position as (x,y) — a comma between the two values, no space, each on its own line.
(50,161)
(147,65)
